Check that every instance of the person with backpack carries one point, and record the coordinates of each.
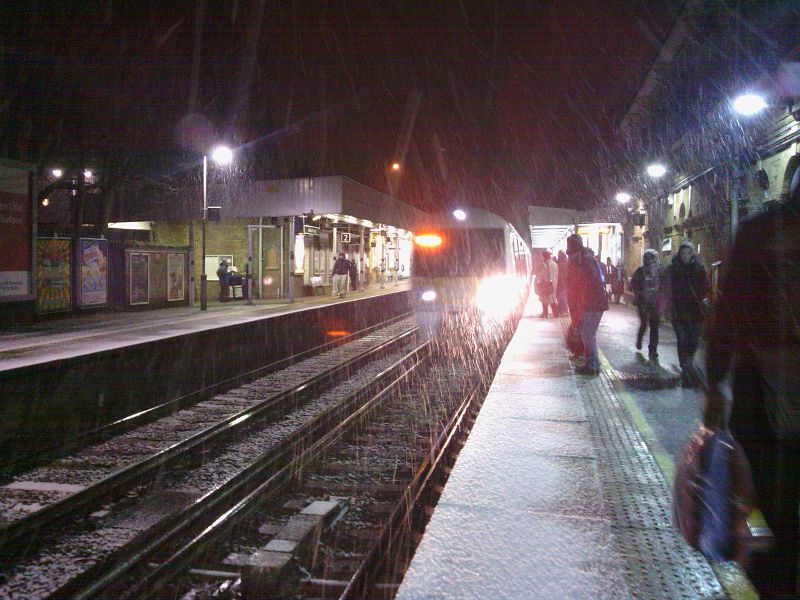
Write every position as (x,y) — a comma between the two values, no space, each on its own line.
(341,276)
(688,287)
(756,333)
(647,293)
(586,296)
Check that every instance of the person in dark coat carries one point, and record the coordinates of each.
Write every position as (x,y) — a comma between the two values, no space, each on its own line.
(353,275)
(223,275)
(561,287)
(341,276)
(688,287)
(646,286)
(586,296)
(756,333)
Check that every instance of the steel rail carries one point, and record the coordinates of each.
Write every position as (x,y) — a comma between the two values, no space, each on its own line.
(220,510)
(9,468)
(118,483)
(362,579)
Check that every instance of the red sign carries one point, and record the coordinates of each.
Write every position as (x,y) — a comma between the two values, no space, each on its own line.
(15,241)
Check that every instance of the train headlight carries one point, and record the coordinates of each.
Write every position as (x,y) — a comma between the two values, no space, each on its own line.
(428,296)
(498,295)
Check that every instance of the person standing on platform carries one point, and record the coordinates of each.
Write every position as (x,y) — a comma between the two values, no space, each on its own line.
(353,273)
(546,284)
(646,286)
(688,287)
(222,275)
(756,333)
(587,299)
(619,286)
(341,276)
(561,287)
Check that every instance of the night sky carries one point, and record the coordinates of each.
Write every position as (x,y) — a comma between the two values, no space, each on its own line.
(500,104)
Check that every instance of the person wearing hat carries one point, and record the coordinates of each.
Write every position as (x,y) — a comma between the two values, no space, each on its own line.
(222,274)
(688,287)
(586,296)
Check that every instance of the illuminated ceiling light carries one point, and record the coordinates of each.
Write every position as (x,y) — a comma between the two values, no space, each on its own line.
(428,296)
(749,104)
(57,173)
(46,202)
(656,170)
(222,155)
(623,197)
(428,240)
(460,214)
(87,174)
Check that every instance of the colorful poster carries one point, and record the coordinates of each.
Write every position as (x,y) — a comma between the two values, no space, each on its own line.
(93,261)
(15,240)
(139,277)
(175,277)
(53,275)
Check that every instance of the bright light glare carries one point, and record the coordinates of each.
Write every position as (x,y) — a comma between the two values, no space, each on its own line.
(267,280)
(57,173)
(656,170)
(749,104)
(395,166)
(87,174)
(428,240)
(460,214)
(222,155)
(623,197)
(428,296)
(45,201)
(498,295)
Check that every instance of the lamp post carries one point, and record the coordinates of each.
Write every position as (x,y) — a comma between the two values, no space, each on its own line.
(222,155)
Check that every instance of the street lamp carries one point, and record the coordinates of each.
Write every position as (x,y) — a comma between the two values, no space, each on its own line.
(395,166)
(656,170)
(749,104)
(222,155)
(460,214)
(623,197)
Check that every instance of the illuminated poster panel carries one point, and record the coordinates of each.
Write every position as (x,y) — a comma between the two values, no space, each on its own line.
(139,277)
(93,274)
(175,277)
(53,275)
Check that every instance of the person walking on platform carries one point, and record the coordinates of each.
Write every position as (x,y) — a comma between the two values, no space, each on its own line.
(756,333)
(587,300)
(341,276)
(618,289)
(688,287)
(546,284)
(222,275)
(646,286)
(353,273)
(561,286)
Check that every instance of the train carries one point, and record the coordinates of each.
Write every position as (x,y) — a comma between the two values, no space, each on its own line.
(470,273)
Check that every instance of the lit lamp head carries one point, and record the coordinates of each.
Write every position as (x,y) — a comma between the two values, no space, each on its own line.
(222,155)
(460,215)
(656,170)
(623,197)
(749,104)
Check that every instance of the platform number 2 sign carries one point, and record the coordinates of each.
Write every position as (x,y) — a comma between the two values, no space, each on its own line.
(345,238)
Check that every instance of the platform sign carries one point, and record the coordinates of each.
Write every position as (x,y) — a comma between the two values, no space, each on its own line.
(53,275)
(345,238)
(175,277)
(16,225)
(93,272)
(139,277)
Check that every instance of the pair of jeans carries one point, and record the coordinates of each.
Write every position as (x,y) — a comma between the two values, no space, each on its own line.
(590,321)
(688,334)
(648,317)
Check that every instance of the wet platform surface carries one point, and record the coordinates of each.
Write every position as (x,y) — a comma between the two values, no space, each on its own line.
(86,334)
(556,493)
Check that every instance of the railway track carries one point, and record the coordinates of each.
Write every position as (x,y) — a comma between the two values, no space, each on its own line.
(92,512)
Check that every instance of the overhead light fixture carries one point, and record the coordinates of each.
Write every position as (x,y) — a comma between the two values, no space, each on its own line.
(623,197)
(460,214)
(656,170)
(57,173)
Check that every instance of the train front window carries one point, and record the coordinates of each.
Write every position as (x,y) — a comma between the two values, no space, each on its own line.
(463,253)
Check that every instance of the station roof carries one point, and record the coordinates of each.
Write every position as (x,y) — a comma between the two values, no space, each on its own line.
(336,195)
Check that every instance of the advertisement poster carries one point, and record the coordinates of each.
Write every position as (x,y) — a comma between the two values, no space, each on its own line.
(175,277)
(158,276)
(16,227)
(93,261)
(53,275)
(139,274)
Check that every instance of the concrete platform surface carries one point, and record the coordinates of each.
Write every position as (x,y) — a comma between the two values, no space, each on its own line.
(52,340)
(554,495)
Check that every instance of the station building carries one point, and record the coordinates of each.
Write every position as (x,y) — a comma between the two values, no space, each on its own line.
(286,233)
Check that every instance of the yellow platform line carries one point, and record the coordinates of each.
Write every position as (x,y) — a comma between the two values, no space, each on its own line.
(730,575)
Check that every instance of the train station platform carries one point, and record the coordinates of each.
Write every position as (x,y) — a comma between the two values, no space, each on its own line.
(53,340)
(563,488)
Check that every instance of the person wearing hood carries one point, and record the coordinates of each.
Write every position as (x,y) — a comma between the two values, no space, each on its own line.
(688,287)
(646,286)
(341,275)
(586,296)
